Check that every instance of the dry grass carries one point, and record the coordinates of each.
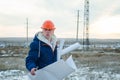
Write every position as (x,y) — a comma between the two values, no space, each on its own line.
(7,63)
(96,60)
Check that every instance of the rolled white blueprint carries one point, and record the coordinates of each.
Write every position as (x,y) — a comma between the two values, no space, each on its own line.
(58,55)
(70,48)
(61,44)
(60,49)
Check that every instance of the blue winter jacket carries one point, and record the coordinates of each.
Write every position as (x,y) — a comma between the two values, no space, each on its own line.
(46,56)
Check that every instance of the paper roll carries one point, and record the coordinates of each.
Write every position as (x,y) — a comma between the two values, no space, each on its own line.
(61,44)
(70,48)
(60,49)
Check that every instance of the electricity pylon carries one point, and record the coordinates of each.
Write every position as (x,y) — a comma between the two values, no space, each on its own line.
(86,42)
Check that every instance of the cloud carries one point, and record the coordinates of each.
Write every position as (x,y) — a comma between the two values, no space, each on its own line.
(106,25)
(13,14)
(102,8)
(12,31)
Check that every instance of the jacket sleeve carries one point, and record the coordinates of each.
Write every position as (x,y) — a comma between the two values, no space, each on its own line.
(32,57)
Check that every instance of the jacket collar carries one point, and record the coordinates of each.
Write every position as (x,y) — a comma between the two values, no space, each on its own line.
(52,44)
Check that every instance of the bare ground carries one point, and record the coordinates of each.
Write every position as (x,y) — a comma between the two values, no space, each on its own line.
(9,63)
(94,60)
(97,61)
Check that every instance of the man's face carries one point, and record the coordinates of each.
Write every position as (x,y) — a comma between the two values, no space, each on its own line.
(48,33)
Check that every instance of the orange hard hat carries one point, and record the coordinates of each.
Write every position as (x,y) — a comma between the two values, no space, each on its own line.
(48,24)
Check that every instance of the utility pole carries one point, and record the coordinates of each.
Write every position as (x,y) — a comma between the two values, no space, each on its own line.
(27,31)
(77,25)
(86,26)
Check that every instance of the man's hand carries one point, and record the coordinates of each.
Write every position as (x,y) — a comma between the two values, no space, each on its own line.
(33,71)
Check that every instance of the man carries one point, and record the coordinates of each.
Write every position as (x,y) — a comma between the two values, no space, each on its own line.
(43,48)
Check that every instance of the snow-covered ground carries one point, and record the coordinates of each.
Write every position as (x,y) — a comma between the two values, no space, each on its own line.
(100,66)
(83,73)
(13,75)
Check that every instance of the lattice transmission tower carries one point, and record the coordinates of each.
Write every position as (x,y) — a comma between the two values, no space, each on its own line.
(86,42)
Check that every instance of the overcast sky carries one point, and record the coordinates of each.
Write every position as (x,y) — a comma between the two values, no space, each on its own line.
(104,17)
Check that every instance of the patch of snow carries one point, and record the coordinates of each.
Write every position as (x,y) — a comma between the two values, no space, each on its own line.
(83,73)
